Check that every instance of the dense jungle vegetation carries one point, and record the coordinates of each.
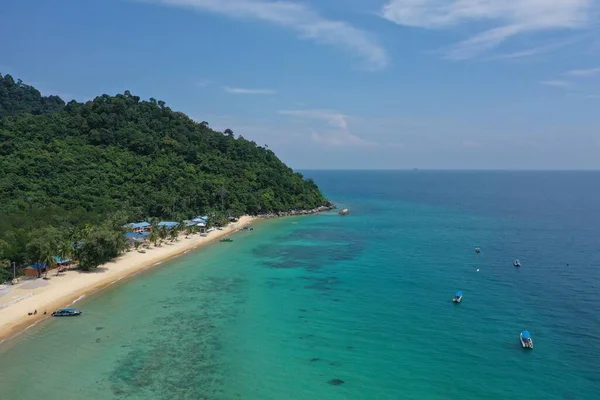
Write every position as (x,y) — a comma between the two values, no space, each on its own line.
(80,170)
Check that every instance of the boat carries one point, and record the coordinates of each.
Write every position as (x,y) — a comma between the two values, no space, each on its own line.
(517,263)
(457,297)
(477,250)
(344,211)
(526,340)
(226,240)
(66,312)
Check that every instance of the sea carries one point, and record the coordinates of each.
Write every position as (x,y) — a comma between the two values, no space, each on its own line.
(352,307)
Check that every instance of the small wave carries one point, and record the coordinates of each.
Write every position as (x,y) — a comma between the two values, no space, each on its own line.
(115,281)
(185,252)
(79,298)
(158,263)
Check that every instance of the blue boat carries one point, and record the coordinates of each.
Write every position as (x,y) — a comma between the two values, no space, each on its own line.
(66,312)
(526,340)
(457,297)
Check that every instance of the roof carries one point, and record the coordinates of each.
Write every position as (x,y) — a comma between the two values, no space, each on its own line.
(38,266)
(136,225)
(526,335)
(168,224)
(459,293)
(136,236)
(200,219)
(60,260)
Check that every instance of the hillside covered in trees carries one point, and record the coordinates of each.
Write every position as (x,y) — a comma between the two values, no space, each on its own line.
(67,165)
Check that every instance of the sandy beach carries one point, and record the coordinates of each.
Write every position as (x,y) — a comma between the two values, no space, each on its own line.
(17,301)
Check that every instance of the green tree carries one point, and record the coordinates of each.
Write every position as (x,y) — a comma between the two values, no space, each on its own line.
(163,233)
(116,159)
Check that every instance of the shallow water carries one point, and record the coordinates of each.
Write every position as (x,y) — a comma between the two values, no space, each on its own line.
(285,310)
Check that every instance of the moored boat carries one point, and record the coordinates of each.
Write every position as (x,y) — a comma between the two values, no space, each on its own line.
(526,340)
(517,263)
(66,312)
(477,250)
(457,297)
(226,240)
(344,211)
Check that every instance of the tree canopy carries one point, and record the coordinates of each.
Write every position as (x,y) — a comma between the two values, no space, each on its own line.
(64,166)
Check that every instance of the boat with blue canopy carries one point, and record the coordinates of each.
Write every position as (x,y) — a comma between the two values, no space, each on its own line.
(457,297)
(66,312)
(526,340)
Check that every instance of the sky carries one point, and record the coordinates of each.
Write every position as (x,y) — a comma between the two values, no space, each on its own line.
(338,84)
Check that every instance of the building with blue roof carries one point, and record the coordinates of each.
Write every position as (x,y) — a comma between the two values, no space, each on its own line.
(139,226)
(168,224)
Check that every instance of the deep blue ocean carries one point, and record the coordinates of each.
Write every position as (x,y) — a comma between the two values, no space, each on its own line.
(353,307)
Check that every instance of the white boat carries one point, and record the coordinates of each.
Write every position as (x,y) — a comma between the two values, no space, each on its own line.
(344,211)
(457,297)
(526,340)
(517,263)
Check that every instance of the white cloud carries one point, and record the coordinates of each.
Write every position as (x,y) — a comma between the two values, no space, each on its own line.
(584,72)
(237,90)
(556,83)
(202,82)
(548,48)
(509,18)
(299,17)
(335,132)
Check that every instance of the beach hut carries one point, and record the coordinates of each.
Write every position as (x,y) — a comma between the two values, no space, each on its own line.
(139,226)
(35,269)
(168,224)
(133,237)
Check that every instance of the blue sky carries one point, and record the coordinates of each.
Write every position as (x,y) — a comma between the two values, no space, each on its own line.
(502,84)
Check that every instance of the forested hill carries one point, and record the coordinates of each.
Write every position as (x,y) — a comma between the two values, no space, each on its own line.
(17,98)
(66,164)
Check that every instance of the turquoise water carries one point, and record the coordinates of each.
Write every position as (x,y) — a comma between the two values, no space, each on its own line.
(365,299)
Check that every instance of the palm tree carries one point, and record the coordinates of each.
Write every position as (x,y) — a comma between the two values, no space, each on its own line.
(49,260)
(137,245)
(65,250)
(154,237)
(163,233)
(190,230)
(174,233)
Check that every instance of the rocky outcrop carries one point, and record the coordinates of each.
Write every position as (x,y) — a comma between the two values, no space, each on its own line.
(326,207)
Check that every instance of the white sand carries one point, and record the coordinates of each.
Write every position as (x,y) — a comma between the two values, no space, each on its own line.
(60,291)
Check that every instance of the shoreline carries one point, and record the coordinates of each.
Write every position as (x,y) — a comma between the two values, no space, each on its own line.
(73,285)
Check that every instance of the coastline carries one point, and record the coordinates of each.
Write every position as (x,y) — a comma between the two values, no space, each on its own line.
(71,286)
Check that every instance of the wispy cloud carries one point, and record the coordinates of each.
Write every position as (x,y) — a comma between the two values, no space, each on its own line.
(583,73)
(556,83)
(335,132)
(584,95)
(511,18)
(202,82)
(237,90)
(299,17)
(534,51)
